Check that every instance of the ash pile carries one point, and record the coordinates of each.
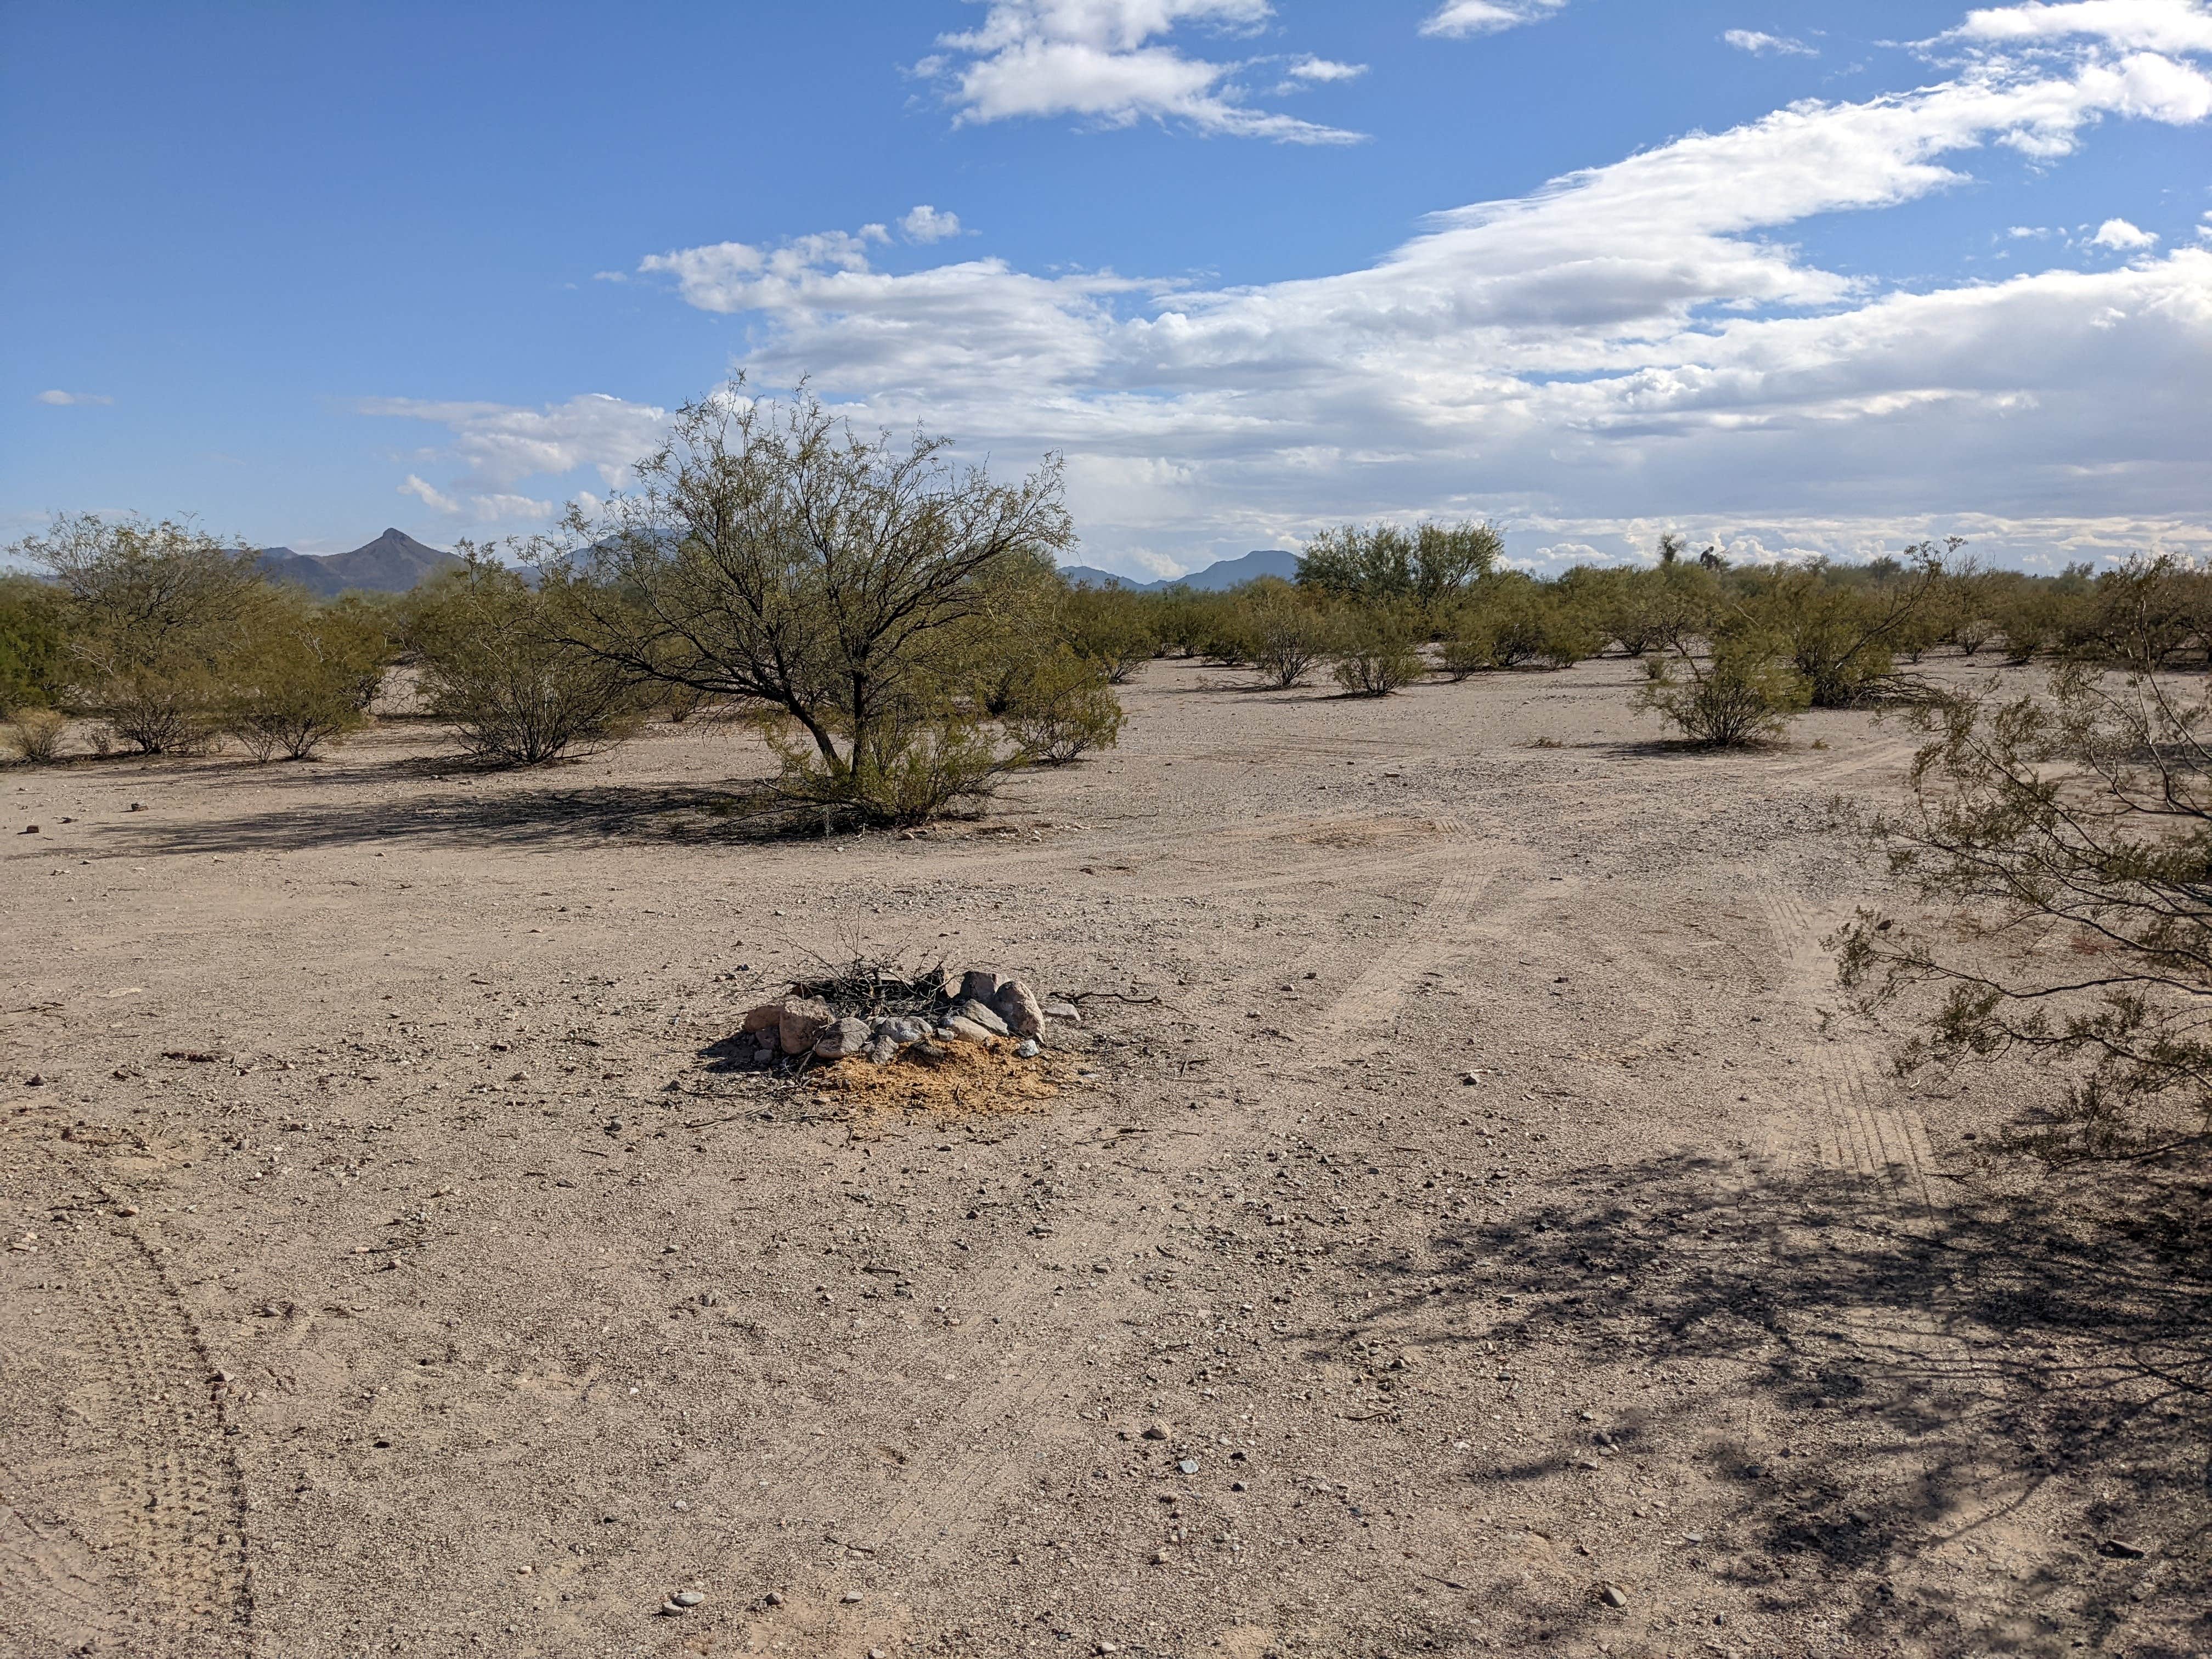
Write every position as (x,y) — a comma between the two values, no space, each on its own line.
(872,1013)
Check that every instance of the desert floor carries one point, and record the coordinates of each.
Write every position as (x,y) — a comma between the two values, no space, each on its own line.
(1466,1161)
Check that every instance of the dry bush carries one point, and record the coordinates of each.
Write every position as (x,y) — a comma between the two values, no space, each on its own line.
(37,734)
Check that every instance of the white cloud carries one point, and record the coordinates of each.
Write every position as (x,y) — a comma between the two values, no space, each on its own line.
(2171,26)
(1321,70)
(498,445)
(69,399)
(1456,19)
(1762,45)
(1629,346)
(926,224)
(1102,60)
(2120,235)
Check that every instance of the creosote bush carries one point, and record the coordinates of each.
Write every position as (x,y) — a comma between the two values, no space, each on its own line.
(1063,705)
(1381,653)
(494,664)
(1745,693)
(302,674)
(36,735)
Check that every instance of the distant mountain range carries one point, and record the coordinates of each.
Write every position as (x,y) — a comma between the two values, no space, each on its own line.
(395,561)
(1222,573)
(392,563)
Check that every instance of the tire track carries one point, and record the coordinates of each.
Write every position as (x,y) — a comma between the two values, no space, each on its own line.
(154,1483)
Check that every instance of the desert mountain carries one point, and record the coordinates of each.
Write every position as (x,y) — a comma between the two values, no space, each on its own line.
(1222,574)
(392,563)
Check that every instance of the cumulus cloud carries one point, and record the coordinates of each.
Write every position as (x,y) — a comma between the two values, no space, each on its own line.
(1457,20)
(2166,25)
(498,445)
(1761,45)
(926,224)
(68,400)
(1106,61)
(2120,235)
(1627,347)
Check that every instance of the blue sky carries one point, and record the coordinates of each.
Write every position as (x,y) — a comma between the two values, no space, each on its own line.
(1803,276)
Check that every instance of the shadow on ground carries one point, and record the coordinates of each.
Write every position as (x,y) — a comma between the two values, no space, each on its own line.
(2028,1374)
(529,817)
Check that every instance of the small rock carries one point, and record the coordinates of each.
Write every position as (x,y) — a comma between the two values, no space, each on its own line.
(1027,1048)
(1018,1007)
(844,1036)
(2122,1550)
(1188,1466)
(687,1598)
(979,985)
(773,1598)
(1613,1595)
(1110,1647)
(800,1022)
(883,1051)
(1156,1430)
(850,1596)
(766,1017)
(1161,1557)
(33,831)
(960,1026)
(138,805)
(979,1013)
(903,1029)
(762,1056)
(1066,1011)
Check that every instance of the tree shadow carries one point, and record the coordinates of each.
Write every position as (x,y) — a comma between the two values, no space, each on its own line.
(603,814)
(2002,1369)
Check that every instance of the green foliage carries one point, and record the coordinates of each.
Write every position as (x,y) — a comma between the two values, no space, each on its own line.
(1841,634)
(1112,627)
(495,663)
(1745,693)
(1284,632)
(152,612)
(34,650)
(1381,652)
(2064,837)
(902,772)
(300,674)
(1511,621)
(1375,565)
(769,555)
(1063,705)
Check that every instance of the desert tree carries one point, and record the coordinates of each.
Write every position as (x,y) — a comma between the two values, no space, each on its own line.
(300,674)
(771,554)
(1427,567)
(2061,841)
(152,610)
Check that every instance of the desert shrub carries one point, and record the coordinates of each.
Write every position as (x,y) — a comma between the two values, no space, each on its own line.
(770,555)
(1510,621)
(1381,653)
(37,735)
(299,675)
(495,664)
(2048,830)
(2140,615)
(1374,566)
(1842,635)
(1469,649)
(1062,706)
(152,610)
(1284,633)
(1115,628)
(1745,693)
(34,650)
(904,771)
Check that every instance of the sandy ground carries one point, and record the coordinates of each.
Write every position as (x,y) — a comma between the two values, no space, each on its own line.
(1494,1209)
